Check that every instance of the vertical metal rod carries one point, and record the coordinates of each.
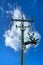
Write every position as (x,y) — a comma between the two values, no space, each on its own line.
(22,44)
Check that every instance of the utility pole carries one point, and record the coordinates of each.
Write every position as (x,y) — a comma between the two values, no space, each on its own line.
(23,44)
(22,28)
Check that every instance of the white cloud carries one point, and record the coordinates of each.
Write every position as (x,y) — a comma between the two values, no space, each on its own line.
(13,35)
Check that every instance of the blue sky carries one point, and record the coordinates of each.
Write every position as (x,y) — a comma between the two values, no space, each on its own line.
(34,56)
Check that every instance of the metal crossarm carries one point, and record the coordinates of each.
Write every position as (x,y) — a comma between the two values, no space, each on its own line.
(22,20)
(24,26)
